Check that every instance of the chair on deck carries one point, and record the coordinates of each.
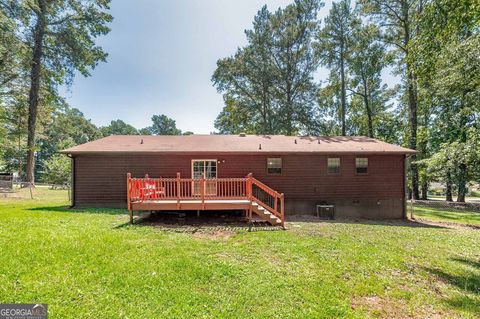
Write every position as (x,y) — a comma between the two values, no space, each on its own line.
(149,190)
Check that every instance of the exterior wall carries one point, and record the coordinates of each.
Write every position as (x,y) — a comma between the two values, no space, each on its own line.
(100,180)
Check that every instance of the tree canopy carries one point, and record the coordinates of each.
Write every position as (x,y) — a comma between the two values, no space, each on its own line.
(270,85)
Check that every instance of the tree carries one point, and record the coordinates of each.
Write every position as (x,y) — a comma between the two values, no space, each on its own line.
(270,81)
(12,55)
(447,65)
(293,31)
(328,116)
(335,42)
(60,35)
(234,119)
(162,125)
(367,60)
(118,127)
(246,79)
(12,90)
(457,92)
(447,165)
(57,170)
(398,21)
(66,127)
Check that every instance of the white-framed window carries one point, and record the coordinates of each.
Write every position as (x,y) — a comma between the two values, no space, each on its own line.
(204,174)
(333,165)
(204,168)
(274,165)
(361,165)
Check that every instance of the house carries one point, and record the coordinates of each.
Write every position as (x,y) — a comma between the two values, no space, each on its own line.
(266,175)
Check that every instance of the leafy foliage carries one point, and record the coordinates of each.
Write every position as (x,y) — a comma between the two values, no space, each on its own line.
(162,125)
(270,81)
(448,66)
(60,37)
(57,170)
(268,85)
(335,44)
(118,127)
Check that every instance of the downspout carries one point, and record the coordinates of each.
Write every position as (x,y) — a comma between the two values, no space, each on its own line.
(404,201)
(72,180)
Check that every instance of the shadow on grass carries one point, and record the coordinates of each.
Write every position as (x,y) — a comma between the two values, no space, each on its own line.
(466,280)
(67,209)
(193,224)
(379,222)
(468,262)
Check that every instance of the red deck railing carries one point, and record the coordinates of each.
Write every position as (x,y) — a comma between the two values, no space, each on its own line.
(181,189)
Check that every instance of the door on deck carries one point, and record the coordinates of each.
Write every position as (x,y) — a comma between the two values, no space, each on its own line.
(204,169)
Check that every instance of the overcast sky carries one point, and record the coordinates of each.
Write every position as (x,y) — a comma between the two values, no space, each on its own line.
(161,57)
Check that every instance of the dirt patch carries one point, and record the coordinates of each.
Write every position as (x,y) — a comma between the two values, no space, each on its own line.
(387,308)
(188,223)
(9,194)
(218,234)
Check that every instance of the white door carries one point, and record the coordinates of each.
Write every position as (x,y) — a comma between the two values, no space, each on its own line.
(204,169)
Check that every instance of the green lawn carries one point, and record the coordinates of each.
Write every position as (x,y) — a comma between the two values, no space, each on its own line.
(90,264)
(447,215)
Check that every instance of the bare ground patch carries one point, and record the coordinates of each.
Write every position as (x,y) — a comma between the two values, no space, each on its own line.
(385,308)
(216,234)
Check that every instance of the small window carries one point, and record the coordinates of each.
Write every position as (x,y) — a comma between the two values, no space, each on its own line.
(334,165)
(274,166)
(361,164)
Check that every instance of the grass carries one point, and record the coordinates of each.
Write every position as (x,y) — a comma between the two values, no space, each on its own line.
(89,263)
(468,217)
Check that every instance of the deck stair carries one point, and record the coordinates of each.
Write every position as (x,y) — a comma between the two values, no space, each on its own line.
(267,216)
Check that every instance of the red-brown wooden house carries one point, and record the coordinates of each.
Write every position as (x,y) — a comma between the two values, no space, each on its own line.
(269,175)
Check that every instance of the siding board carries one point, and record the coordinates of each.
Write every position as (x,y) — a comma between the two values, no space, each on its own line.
(100,180)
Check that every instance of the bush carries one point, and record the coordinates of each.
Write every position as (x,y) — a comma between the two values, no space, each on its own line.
(475,193)
(57,170)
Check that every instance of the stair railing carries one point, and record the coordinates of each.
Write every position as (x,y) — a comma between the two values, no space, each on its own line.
(267,197)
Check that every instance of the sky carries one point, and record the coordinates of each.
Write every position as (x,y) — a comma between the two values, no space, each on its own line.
(162,55)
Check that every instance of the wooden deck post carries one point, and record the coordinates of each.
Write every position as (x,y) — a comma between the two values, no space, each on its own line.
(249,196)
(282,209)
(178,191)
(275,204)
(203,192)
(129,203)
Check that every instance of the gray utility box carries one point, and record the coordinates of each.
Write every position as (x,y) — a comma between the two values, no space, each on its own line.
(326,211)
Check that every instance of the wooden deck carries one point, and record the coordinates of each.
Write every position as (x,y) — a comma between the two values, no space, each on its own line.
(209,204)
(179,193)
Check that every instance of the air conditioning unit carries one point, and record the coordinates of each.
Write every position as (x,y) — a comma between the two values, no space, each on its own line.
(326,211)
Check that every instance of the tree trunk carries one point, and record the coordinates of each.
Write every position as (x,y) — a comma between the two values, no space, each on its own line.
(412,106)
(39,33)
(462,168)
(424,191)
(462,183)
(343,91)
(367,108)
(289,112)
(448,189)
(412,100)
(265,129)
